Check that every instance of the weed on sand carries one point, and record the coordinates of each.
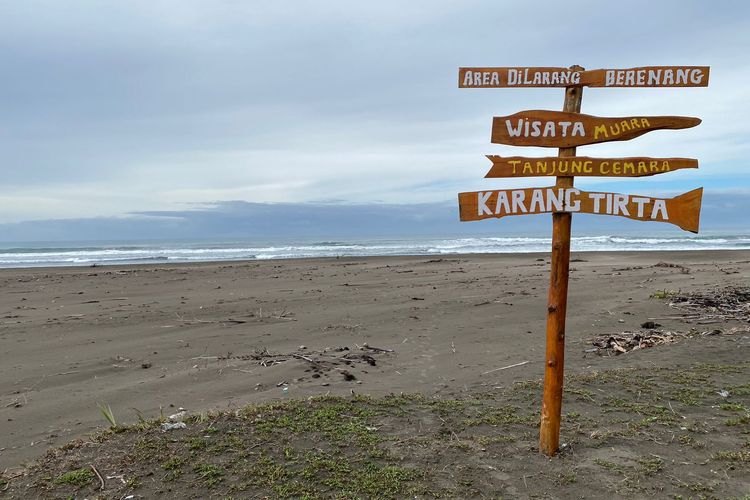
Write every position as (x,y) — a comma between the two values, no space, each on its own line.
(664,432)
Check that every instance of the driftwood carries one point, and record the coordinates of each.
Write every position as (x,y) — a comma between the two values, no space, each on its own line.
(330,358)
(719,304)
(624,342)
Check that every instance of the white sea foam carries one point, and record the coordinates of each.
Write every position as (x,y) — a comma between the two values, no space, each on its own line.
(36,256)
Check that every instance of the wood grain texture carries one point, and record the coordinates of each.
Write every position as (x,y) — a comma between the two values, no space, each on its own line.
(644,77)
(682,211)
(565,130)
(584,166)
(557,301)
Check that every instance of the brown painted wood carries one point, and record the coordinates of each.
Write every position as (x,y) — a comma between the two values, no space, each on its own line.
(647,76)
(566,130)
(557,301)
(682,211)
(584,166)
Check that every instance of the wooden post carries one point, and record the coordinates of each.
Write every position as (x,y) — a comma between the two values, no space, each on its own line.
(557,302)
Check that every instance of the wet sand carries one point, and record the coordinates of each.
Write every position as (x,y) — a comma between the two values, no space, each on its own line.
(154,338)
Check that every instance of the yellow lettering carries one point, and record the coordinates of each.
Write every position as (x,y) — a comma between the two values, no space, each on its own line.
(665,166)
(604,167)
(628,166)
(600,130)
(625,125)
(541,167)
(575,167)
(514,163)
(614,129)
(634,122)
(653,166)
(527,168)
(587,166)
(645,123)
(617,168)
(642,167)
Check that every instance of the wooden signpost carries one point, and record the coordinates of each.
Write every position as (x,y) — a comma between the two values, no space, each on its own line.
(519,166)
(649,76)
(566,130)
(682,211)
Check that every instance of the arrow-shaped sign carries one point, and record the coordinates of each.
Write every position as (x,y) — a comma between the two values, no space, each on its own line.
(641,166)
(566,130)
(682,211)
(648,76)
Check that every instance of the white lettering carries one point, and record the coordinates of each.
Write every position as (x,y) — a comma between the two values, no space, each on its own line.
(597,197)
(511,131)
(621,205)
(555,202)
(513,76)
(482,208)
(518,197)
(535,130)
(640,202)
(537,199)
(549,129)
(682,76)
(654,76)
(502,201)
(660,206)
(564,126)
(572,205)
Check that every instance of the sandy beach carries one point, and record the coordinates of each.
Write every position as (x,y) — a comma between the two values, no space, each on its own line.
(156,338)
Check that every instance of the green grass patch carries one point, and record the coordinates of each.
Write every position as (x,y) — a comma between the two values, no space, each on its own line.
(77,478)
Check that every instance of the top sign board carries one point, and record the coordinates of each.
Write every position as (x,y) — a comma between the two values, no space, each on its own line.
(647,76)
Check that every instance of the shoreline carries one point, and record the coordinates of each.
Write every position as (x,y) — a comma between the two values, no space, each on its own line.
(324,259)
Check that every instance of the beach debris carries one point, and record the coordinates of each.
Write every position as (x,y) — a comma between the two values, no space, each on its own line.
(377,349)
(623,342)
(712,306)
(171,426)
(683,269)
(318,362)
(504,367)
(177,417)
(650,325)
(101,479)
(723,393)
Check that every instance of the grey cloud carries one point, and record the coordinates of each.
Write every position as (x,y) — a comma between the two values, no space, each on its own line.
(184,97)
(230,220)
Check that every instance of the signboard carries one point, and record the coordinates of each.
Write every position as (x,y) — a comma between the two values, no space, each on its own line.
(567,130)
(647,76)
(682,211)
(640,166)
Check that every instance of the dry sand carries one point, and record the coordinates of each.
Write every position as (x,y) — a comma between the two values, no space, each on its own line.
(153,337)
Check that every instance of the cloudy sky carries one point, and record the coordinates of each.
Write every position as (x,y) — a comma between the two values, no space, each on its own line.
(109,108)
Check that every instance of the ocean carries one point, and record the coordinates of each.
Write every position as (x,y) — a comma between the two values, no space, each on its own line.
(108,253)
